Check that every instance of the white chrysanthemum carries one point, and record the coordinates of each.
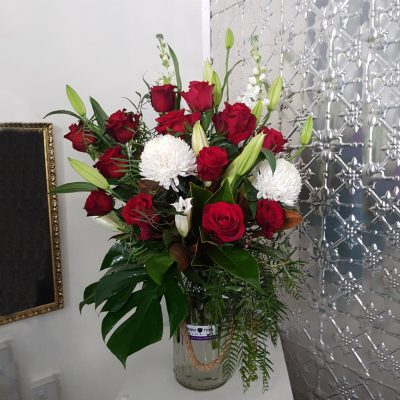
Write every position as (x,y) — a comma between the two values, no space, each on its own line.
(165,158)
(284,185)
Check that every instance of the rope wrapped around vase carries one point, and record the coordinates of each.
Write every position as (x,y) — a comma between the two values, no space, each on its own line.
(192,356)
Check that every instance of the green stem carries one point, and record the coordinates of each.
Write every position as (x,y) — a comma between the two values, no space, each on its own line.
(226,72)
(264,121)
(297,153)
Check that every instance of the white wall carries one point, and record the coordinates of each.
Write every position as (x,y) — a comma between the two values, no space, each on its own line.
(101,48)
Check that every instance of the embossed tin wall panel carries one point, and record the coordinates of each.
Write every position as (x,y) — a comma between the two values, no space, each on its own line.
(340,60)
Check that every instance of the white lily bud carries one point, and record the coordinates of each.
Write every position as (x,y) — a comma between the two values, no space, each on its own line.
(183,221)
(199,138)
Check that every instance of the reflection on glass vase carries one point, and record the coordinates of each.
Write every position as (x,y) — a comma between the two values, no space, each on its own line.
(199,349)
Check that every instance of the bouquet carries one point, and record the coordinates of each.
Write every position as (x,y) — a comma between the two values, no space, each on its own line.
(198,201)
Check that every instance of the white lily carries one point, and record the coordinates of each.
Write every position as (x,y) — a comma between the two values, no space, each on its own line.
(183,221)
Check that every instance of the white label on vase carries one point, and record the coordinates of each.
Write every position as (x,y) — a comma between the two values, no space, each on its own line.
(202,332)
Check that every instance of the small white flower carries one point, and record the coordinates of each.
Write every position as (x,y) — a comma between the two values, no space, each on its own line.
(249,86)
(165,158)
(284,185)
(252,80)
(262,77)
(255,71)
(182,222)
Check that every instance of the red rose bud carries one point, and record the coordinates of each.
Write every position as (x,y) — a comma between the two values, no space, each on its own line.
(98,203)
(176,122)
(112,162)
(139,211)
(80,137)
(236,122)
(274,140)
(122,126)
(270,216)
(199,97)
(163,98)
(223,221)
(211,163)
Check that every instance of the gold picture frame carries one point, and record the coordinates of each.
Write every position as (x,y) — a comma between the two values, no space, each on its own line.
(39,155)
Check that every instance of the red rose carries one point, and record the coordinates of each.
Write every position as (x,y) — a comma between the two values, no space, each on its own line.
(139,211)
(199,97)
(236,122)
(270,216)
(224,221)
(274,140)
(112,162)
(98,203)
(122,126)
(80,137)
(211,163)
(176,121)
(163,98)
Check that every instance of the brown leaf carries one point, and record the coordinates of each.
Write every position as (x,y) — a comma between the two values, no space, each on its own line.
(180,254)
(292,219)
(148,186)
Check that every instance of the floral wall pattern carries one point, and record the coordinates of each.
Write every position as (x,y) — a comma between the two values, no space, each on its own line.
(341,58)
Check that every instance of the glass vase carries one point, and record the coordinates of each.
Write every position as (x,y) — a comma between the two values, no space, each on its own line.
(198,348)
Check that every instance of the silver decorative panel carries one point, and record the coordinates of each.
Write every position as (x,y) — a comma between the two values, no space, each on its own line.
(340,60)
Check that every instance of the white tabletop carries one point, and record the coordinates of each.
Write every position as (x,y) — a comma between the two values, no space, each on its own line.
(150,376)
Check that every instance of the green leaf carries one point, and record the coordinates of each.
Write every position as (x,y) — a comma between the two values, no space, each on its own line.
(99,113)
(89,295)
(73,187)
(238,262)
(117,301)
(224,193)
(270,157)
(306,132)
(200,197)
(143,328)
(176,304)
(135,299)
(66,112)
(90,174)
(116,255)
(206,118)
(250,190)
(177,75)
(157,266)
(112,283)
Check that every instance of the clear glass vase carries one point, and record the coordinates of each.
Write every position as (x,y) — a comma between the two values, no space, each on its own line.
(207,344)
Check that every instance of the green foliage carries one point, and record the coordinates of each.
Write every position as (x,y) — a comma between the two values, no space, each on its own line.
(238,262)
(270,157)
(73,187)
(157,266)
